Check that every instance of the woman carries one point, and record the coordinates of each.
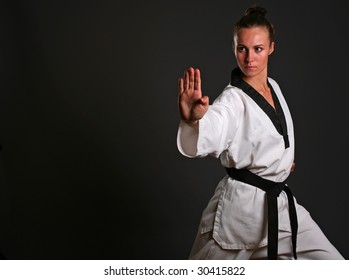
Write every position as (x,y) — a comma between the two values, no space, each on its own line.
(252,214)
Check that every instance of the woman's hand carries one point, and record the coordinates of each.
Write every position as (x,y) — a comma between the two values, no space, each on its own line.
(192,105)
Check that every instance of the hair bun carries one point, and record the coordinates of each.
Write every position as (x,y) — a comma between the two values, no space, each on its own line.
(255,10)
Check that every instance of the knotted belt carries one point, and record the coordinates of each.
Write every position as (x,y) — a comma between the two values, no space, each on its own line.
(272,189)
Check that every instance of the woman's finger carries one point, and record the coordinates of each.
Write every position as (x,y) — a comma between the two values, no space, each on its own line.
(191,78)
(197,84)
(186,80)
(180,86)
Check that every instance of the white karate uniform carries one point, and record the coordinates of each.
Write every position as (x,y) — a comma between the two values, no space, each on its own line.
(240,132)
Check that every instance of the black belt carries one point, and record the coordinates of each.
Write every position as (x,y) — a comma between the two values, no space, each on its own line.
(272,189)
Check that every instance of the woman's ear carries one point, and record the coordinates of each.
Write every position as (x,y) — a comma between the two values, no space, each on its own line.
(271,49)
(233,47)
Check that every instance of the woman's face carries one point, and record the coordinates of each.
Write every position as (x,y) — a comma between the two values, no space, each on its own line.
(252,48)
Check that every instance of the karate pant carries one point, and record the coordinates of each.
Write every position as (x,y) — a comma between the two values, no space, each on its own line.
(312,244)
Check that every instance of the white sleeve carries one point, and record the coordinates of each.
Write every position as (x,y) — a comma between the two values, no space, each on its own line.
(187,138)
(215,131)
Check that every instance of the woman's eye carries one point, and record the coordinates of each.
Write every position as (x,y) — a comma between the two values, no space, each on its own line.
(258,49)
(241,49)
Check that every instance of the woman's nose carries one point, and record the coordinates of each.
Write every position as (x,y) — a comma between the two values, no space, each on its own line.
(249,57)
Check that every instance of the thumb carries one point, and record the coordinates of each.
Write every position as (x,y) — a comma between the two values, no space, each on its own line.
(204,100)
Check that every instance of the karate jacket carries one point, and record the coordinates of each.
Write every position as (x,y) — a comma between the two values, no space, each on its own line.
(244,131)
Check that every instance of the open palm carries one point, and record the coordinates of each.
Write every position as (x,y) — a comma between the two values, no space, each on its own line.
(192,105)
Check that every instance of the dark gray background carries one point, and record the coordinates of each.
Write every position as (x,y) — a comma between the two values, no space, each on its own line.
(88,104)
